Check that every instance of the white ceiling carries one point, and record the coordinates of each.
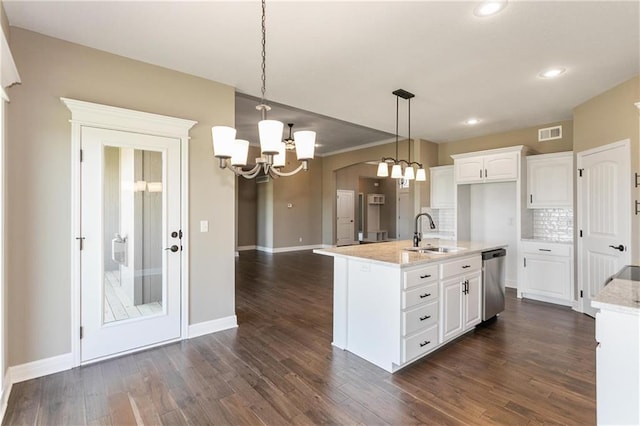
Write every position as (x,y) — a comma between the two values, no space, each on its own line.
(343,59)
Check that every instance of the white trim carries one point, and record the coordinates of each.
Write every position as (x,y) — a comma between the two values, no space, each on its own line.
(131,351)
(288,249)
(517,148)
(114,118)
(245,248)
(213,326)
(9,72)
(39,368)
(4,395)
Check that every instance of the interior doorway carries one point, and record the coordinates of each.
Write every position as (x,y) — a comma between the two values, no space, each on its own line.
(345,228)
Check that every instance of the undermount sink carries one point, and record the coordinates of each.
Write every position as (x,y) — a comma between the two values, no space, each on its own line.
(434,249)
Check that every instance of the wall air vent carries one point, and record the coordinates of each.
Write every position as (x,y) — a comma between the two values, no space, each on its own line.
(549,133)
(263,179)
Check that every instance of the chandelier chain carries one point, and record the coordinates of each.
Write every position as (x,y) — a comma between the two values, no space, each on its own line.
(264,50)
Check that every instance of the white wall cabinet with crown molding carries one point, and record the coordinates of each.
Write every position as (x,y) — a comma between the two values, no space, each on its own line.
(443,187)
(501,165)
(550,181)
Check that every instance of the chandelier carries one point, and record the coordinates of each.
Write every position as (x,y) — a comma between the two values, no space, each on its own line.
(396,170)
(232,153)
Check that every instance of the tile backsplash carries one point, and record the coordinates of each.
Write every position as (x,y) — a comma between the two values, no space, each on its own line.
(553,223)
(444,220)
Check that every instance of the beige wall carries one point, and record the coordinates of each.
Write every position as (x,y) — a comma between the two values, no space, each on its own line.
(4,21)
(611,117)
(424,150)
(527,137)
(247,212)
(38,182)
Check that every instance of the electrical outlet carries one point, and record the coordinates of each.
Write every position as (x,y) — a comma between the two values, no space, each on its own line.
(300,239)
(204,226)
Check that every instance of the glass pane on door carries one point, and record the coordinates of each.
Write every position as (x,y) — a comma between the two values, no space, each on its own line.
(133,249)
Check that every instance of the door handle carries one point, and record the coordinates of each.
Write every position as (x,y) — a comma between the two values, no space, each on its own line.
(620,247)
(174,248)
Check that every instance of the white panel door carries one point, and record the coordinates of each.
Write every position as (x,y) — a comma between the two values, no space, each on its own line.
(473,301)
(604,217)
(131,254)
(469,170)
(502,166)
(442,187)
(550,182)
(451,304)
(345,228)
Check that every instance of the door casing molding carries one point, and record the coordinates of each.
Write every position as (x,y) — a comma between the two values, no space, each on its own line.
(87,114)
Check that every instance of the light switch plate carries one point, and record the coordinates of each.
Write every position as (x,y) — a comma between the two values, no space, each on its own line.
(204,226)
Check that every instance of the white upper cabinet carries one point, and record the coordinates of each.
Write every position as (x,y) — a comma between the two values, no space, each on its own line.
(488,166)
(550,180)
(442,187)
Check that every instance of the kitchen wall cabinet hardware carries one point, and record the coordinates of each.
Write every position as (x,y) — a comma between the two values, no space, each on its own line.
(484,166)
(550,180)
(548,272)
(617,367)
(637,177)
(637,207)
(460,297)
(442,187)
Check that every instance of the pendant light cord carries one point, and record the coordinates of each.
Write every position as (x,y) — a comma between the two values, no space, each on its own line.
(409,130)
(397,106)
(264,50)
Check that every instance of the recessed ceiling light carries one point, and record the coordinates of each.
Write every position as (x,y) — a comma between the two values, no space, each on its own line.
(552,73)
(472,122)
(488,8)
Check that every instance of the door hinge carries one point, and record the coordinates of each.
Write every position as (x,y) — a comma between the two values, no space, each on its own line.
(81,332)
(525,262)
(581,233)
(580,172)
(81,156)
(581,294)
(180,233)
(81,239)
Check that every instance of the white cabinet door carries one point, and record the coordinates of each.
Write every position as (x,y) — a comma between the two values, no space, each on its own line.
(547,275)
(469,170)
(451,304)
(550,181)
(503,166)
(442,187)
(473,301)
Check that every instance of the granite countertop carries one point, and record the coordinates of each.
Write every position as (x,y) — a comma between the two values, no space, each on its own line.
(621,295)
(393,253)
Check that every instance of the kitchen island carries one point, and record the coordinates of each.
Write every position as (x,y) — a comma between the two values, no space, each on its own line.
(618,350)
(393,304)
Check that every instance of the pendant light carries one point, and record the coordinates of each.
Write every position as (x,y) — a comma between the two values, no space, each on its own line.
(396,170)
(232,153)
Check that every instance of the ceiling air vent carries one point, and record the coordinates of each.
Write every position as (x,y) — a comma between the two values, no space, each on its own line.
(549,133)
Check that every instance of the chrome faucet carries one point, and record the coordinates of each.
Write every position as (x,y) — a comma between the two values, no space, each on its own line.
(416,234)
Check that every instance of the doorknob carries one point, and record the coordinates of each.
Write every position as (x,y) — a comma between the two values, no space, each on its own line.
(620,247)
(174,248)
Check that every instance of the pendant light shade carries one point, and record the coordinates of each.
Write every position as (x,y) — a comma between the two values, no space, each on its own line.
(305,141)
(240,152)
(421,175)
(223,138)
(383,169)
(396,171)
(280,159)
(270,132)
(408,173)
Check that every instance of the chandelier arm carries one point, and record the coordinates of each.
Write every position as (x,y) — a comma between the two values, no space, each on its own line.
(303,166)
(249,174)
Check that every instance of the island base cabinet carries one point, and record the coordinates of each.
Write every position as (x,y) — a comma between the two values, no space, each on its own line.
(419,344)
(617,368)
(461,305)
(473,302)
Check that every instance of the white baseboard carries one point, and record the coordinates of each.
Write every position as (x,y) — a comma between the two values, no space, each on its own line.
(288,249)
(212,326)
(4,395)
(511,283)
(245,248)
(42,367)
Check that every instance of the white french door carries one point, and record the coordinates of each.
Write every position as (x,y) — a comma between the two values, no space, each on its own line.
(131,241)
(604,217)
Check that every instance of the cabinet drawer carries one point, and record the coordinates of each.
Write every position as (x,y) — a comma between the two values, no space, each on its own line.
(419,344)
(419,295)
(466,265)
(420,276)
(419,318)
(546,248)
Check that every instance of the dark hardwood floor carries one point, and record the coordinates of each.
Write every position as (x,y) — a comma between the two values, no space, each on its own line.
(535,364)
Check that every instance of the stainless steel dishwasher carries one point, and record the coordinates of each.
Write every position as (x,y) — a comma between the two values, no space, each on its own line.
(493,283)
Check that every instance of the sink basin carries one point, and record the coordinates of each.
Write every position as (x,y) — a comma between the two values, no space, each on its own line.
(434,249)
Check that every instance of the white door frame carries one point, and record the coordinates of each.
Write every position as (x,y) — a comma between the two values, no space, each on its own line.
(626,143)
(113,118)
